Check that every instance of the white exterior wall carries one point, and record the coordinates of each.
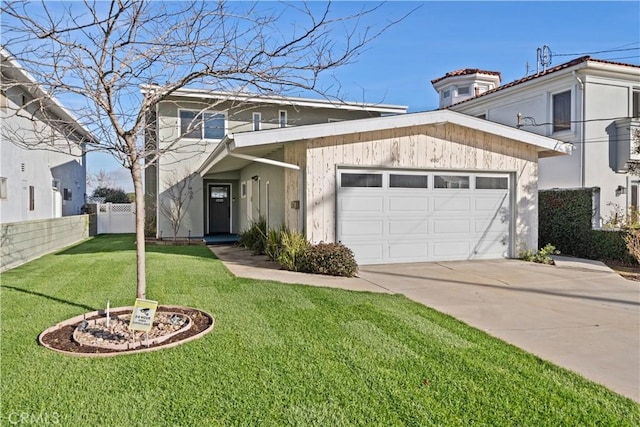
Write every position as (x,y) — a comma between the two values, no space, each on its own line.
(38,168)
(254,204)
(593,162)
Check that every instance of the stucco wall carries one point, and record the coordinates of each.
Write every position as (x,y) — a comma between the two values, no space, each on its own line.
(423,147)
(598,99)
(26,240)
(37,168)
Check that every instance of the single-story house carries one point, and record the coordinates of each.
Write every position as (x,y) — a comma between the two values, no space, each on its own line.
(428,186)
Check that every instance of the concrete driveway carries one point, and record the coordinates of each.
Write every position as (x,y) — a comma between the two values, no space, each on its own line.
(578,314)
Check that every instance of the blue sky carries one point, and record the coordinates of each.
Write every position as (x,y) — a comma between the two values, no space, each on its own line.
(397,68)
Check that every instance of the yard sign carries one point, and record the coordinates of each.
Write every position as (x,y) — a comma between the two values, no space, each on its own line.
(144,311)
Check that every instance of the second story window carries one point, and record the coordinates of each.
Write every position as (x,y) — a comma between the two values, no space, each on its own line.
(636,103)
(257,118)
(561,111)
(202,125)
(3,188)
(446,94)
(283,119)
(463,90)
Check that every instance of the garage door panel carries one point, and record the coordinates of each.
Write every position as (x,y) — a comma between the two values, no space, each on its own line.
(407,204)
(361,204)
(407,251)
(451,226)
(488,246)
(494,225)
(486,204)
(367,253)
(369,229)
(450,249)
(451,204)
(410,227)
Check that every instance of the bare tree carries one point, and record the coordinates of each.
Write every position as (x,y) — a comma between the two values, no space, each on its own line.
(177,198)
(94,56)
(99,179)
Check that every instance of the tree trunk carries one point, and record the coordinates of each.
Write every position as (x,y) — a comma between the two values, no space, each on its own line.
(136,175)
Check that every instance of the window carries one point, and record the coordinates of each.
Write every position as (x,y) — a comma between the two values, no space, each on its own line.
(361,180)
(491,183)
(562,111)
(636,103)
(243,189)
(32,196)
(3,100)
(283,119)
(408,181)
(266,205)
(202,126)
(463,90)
(3,188)
(450,181)
(257,118)
(67,194)
(446,93)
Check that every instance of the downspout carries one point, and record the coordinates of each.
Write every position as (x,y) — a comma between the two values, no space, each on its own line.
(582,129)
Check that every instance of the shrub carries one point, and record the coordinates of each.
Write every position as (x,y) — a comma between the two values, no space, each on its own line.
(543,256)
(255,237)
(333,259)
(292,245)
(632,240)
(113,195)
(273,245)
(565,221)
(610,245)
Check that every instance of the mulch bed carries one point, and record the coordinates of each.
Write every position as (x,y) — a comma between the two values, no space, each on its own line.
(62,338)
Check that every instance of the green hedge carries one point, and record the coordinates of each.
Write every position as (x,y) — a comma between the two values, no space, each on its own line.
(565,221)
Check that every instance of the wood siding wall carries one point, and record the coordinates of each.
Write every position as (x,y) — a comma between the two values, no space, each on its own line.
(421,147)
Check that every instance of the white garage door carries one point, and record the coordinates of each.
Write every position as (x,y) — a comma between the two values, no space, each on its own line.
(394,216)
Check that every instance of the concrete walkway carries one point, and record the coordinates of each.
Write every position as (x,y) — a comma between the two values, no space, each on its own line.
(578,314)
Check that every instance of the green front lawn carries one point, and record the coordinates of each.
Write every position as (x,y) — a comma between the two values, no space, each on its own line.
(278,355)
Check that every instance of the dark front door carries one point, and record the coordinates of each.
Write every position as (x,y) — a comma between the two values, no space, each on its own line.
(219,209)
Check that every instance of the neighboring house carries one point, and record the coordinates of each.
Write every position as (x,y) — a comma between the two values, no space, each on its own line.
(593,104)
(34,183)
(177,127)
(414,187)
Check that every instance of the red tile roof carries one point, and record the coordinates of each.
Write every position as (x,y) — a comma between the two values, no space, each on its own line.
(547,72)
(464,72)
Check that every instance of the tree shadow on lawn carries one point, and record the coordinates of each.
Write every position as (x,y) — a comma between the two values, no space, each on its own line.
(126,243)
(49,297)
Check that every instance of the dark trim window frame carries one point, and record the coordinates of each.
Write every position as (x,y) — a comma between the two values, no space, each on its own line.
(3,188)
(635,103)
(32,198)
(257,118)
(561,111)
(360,180)
(208,124)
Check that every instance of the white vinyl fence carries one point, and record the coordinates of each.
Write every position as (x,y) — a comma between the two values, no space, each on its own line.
(116,218)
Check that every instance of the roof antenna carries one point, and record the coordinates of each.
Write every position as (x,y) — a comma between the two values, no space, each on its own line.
(543,58)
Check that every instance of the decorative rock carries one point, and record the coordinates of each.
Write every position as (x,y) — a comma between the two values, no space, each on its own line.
(118,335)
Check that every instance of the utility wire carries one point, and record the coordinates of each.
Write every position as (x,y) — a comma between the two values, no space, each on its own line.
(596,52)
(532,121)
